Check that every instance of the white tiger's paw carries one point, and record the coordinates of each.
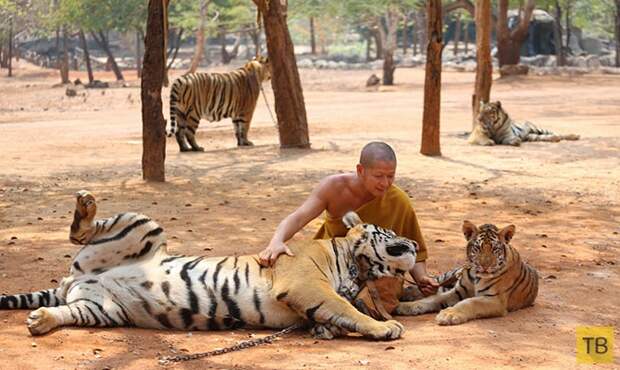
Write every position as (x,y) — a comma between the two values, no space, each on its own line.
(41,321)
(85,203)
(450,316)
(387,330)
(327,331)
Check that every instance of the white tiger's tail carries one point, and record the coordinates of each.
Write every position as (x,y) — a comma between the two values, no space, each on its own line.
(43,298)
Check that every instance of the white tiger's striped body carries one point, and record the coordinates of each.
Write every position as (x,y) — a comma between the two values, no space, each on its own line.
(123,276)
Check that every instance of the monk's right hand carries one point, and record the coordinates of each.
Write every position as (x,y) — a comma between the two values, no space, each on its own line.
(269,255)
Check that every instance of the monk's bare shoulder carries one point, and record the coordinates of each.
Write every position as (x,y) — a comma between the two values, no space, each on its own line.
(335,185)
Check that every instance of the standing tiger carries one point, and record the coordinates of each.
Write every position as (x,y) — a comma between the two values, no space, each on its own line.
(494,126)
(215,96)
(494,282)
(123,276)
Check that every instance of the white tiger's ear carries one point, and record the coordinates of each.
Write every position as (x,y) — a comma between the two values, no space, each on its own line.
(506,234)
(469,230)
(351,219)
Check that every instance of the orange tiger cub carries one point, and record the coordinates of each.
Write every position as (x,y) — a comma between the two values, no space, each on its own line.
(494,282)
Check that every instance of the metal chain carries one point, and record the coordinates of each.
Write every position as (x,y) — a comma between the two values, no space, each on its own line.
(166,360)
(268,107)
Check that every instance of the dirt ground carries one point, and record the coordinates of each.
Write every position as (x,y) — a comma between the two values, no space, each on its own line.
(564,199)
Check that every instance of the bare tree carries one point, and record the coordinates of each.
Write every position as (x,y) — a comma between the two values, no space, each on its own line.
(509,42)
(153,124)
(139,40)
(617,33)
(104,43)
(89,68)
(312,37)
(10,55)
(457,33)
(200,37)
(432,82)
(64,62)
(484,68)
(557,35)
(289,98)
(388,38)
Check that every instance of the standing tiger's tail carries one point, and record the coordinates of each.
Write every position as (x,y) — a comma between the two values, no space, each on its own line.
(43,298)
(174,100)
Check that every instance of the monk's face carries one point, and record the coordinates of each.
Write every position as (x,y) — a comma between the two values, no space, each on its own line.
(378,177)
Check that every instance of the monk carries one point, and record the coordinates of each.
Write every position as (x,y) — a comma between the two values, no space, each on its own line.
(371,193)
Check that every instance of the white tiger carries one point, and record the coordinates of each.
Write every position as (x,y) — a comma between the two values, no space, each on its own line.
(123,276)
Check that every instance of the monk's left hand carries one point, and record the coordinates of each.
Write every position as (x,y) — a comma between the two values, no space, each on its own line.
(428,286)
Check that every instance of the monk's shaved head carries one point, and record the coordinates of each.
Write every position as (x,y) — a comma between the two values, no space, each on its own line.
(376,151)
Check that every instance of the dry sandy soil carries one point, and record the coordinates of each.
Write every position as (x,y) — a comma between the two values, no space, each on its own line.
(564,199)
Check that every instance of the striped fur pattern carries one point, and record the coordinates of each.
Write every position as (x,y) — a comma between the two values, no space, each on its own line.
(123,276)
(494,282)
(496,127)
(216,96)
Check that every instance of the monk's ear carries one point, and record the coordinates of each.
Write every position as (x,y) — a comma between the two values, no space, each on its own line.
(351,219)
(506,234)
(469,230)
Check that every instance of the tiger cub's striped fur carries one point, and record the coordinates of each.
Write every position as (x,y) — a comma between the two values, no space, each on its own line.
(494,126)
(494,282)
(216,96)
(123,276)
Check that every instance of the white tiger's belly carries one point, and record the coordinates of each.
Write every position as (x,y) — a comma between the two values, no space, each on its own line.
(190,293)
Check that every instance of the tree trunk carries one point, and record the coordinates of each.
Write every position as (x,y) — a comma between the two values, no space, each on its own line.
(153,124)
(557,36)
(484,68)
(89,68)
(174,49)
(432,81)
(388,38)
(421,25)
(405,33)
(466,38)
(200,37)
(289,99)
(227,57)
(567,25)
(255,36)
(509,42)
(138,55)
(388,67)
(414,37)
(457,33)
(368,43)
(64,63)
(10,63)
(617,33)
(103,43)
(312,37)
(376,35)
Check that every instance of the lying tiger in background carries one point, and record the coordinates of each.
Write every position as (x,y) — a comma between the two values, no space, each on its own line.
(123,276)
(494,126)
(494,282)
(215,96)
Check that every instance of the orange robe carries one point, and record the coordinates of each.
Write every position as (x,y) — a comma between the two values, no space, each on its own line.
(391,211)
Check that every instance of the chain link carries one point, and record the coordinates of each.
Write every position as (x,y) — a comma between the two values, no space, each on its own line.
(166,360)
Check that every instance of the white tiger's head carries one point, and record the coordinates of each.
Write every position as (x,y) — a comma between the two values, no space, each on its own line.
(261,67)
(379,252)
(491,116)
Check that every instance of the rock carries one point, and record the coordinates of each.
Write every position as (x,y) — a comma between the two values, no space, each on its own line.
(513,70)
(373,80)
(71,91)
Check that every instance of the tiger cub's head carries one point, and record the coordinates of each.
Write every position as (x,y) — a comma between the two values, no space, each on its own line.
(487,247)
(379,252)
(491,116)
(261,66)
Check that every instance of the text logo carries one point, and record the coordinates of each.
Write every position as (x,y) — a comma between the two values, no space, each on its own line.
(595,344)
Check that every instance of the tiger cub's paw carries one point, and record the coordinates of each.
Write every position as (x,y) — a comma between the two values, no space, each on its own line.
(41,321)
(450,316)
(387,330)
